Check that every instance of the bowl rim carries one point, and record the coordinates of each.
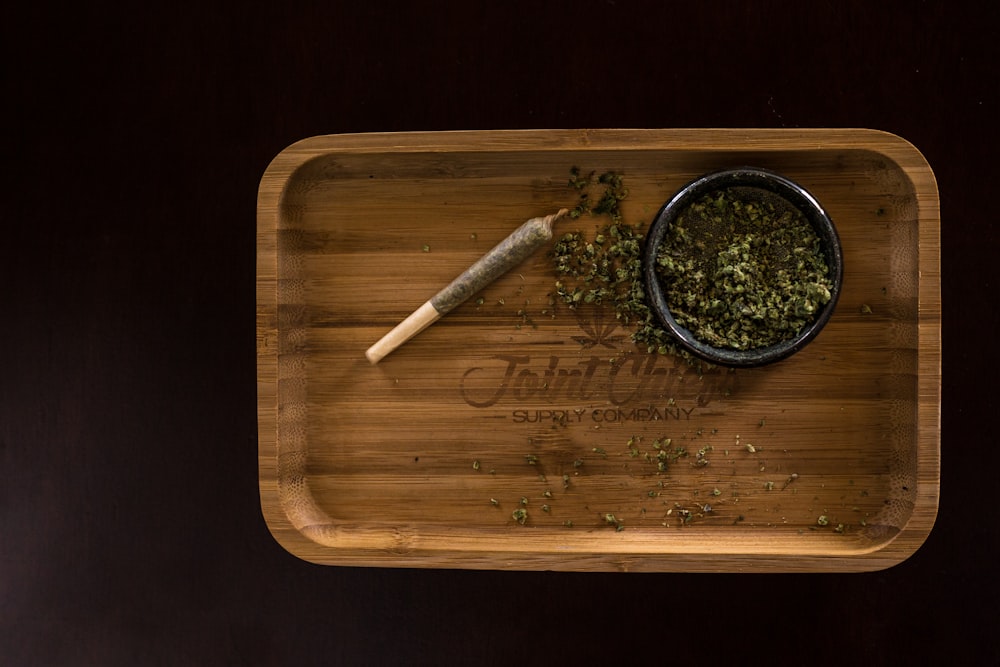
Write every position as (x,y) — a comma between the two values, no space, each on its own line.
(792,192)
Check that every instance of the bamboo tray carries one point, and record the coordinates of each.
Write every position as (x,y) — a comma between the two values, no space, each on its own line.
(421,460)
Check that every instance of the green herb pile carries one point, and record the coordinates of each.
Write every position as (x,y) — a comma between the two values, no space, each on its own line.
(743,269)
(606,267)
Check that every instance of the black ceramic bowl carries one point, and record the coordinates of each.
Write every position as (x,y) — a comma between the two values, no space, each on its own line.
(795,195)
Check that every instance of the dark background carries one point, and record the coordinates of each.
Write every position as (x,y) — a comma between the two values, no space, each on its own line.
(136,135)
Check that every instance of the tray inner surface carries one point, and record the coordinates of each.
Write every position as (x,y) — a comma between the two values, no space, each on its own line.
(512,402)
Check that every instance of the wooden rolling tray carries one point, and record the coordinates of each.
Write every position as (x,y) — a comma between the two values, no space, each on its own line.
(827,461)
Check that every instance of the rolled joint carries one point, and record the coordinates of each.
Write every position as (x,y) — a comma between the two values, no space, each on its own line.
(417,321)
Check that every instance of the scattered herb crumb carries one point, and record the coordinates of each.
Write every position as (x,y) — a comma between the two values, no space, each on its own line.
(606,267)
(701,459)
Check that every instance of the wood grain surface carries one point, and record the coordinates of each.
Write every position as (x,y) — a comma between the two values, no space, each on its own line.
(827,461)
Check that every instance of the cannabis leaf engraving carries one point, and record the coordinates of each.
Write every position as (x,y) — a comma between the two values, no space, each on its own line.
(598,329)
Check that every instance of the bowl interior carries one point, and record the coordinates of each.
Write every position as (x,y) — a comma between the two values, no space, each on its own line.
(795,195)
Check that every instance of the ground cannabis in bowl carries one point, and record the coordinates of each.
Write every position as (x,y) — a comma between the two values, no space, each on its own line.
(741,268)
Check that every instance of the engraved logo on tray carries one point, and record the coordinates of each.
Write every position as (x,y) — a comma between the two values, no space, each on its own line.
(633,384)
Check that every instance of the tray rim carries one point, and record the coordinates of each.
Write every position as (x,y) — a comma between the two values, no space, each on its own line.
(303,532)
